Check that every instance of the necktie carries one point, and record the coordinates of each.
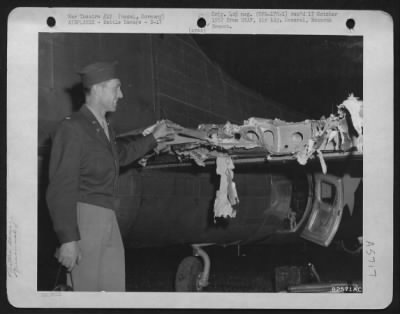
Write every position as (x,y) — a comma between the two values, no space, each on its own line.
(105,128)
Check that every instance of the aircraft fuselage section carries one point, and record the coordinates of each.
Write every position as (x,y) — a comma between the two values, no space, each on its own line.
(175,206)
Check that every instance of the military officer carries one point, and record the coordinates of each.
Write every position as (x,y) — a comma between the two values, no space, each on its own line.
(84,168)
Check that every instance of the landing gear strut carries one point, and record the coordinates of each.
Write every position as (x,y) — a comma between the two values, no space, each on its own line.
(193,272)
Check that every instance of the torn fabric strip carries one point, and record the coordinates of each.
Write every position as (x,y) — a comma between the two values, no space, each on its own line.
(226,196)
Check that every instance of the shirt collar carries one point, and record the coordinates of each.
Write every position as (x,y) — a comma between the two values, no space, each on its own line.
(91,115)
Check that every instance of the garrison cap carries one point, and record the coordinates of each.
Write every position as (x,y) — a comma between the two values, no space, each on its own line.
(98,72)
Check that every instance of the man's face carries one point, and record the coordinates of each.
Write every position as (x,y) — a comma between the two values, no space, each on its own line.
(110,92)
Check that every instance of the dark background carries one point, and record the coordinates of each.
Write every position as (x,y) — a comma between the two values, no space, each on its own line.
(310,74)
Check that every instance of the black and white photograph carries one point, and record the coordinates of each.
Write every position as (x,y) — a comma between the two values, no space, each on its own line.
(217,82)
(201,161)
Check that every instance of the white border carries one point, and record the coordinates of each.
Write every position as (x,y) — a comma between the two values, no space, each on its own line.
(24,24)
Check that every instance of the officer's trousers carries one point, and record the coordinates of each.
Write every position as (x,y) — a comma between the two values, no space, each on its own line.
(102,267)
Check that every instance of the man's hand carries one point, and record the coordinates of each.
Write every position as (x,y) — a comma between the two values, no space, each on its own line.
(69,254)
(164,130)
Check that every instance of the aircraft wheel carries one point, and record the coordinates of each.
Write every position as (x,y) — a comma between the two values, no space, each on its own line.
(188,275)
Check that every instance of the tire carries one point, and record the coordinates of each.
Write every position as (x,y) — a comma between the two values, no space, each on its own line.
(188,274)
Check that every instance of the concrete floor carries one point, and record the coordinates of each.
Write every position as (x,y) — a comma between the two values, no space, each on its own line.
(154,269)
(252,271)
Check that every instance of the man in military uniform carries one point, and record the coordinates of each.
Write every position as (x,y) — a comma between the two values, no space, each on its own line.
(84,168)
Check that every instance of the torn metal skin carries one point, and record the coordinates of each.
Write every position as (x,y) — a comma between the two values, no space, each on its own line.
(301,141)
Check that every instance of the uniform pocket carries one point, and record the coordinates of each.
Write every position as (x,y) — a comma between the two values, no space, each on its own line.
(98,162)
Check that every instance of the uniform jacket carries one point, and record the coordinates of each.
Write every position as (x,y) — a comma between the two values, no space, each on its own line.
(84,167)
